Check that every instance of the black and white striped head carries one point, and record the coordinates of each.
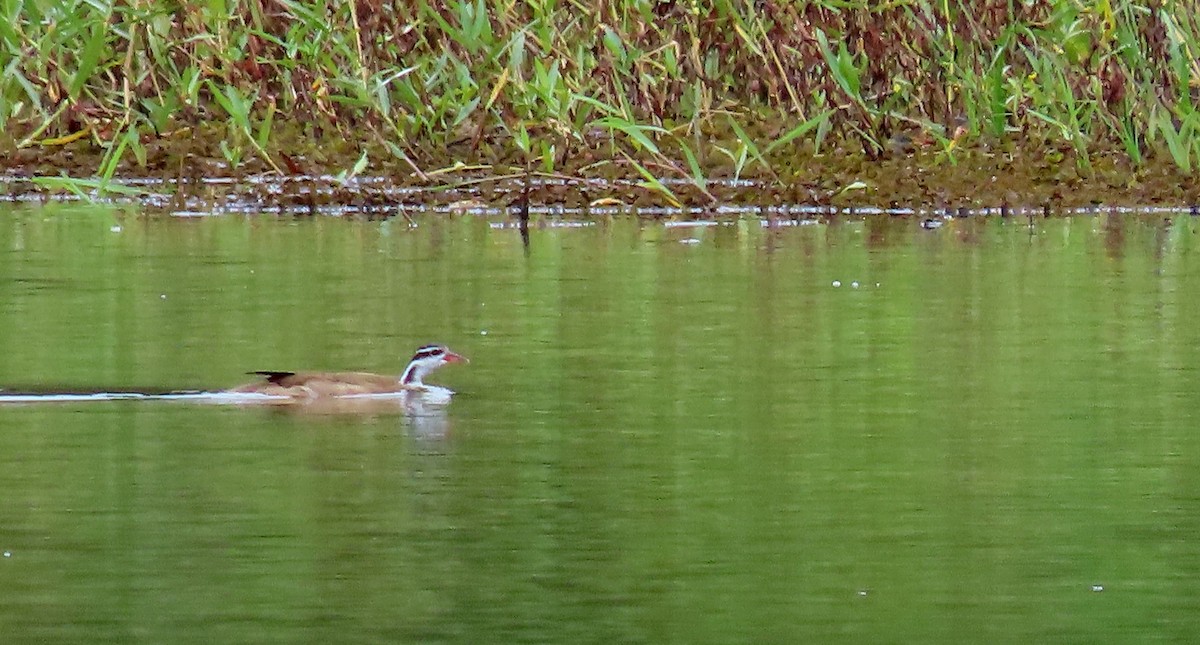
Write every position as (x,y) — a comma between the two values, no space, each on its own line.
(427,359)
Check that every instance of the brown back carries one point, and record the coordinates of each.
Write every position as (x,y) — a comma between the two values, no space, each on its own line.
(322,384)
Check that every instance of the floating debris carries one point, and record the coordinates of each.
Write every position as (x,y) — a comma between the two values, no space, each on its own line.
(383,198)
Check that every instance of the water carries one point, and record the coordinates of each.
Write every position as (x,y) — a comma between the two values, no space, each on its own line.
(982,433)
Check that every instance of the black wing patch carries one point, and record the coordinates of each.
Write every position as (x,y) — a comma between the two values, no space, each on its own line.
(273,377)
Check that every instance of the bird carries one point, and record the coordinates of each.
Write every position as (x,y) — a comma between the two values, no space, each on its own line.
(309,385)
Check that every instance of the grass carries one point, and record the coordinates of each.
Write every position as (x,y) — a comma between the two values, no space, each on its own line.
(644,90)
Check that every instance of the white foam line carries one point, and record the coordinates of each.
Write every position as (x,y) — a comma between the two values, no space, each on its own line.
(70,398)
(212,397)
(203,397)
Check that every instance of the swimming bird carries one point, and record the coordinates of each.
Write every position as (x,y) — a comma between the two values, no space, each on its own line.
(322,384)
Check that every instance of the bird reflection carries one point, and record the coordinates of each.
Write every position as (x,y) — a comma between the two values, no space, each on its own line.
(423,412)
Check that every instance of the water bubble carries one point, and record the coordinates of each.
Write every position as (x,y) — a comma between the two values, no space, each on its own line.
(483,333)
(8,554)
(1097,588)
(116,228)
(837,283)
(854,284)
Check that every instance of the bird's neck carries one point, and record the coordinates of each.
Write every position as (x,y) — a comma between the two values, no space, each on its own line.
(412,374)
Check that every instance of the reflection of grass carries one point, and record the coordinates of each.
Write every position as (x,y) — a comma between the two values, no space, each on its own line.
(650,90)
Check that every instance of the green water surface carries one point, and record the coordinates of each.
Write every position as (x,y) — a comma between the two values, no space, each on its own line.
(854,431)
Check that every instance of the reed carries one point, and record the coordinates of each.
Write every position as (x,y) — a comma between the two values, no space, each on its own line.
(647,90)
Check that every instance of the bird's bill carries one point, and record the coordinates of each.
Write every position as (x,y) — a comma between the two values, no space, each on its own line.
(451,357)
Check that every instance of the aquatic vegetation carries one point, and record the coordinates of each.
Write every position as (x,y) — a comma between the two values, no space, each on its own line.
(684,91)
